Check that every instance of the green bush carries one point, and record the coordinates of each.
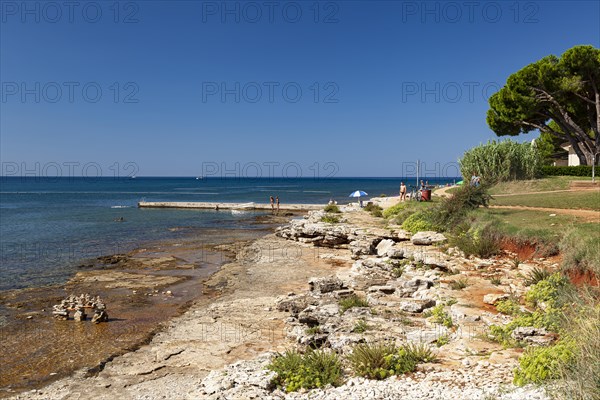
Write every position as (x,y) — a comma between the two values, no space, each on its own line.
(332,208)
(374,209)
(394,210)
(420,352)
(314,369)
(480,241)
(419,221)
(351,302)
(579,170)
(508,307)
(330,219)
(379,361)
(453,210)
(499,161)
(551,291)
(538,364)
(440,316)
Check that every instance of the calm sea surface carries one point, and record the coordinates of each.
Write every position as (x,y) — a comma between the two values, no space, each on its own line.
(48,226)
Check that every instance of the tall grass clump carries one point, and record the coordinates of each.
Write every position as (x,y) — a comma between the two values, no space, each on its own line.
(332,208)
(580,249)
(454,209)
(379,361)
(314,369)
(498,161)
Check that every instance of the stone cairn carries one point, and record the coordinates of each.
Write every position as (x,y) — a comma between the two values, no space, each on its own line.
(79,304)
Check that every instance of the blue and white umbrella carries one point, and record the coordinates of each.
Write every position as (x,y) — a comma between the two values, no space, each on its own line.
(358,193)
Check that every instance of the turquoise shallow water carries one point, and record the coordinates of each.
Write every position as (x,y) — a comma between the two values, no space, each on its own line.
(49,225)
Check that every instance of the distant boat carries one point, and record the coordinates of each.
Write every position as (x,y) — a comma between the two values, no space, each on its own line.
(199,177)
(132,177)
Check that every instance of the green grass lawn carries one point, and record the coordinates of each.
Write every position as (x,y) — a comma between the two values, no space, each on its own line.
(535,185)
(589,200)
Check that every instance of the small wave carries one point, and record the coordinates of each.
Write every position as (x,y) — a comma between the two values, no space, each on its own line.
(120,206)
(316,191)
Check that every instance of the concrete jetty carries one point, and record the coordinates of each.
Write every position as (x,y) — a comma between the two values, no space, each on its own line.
(227,206)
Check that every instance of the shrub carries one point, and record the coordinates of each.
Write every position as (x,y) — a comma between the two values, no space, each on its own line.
(536,275)
(459,284)
(419,221)
(394,210)
(442,340)
(508,307)
(452,210)
(420,352)
(551,291)
(581,374)
(374,209)
(499,161)
(351,302)
(379,361)
(482,242)
(579,170)
(332,208)
(540,363)
(314,369)
(440,316)
(580,250)
(330,219)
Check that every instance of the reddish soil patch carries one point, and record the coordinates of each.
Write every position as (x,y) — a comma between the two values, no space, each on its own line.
(581,278)
(524,251)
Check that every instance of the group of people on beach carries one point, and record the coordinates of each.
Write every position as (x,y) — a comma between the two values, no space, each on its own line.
(274,203)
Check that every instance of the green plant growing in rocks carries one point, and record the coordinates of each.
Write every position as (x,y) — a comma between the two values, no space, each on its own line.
(351,302)
(419,221)
(398,271)
(536,275)
(313,330)
(442,340)
(332,208)
(550,291)
(361,327)
(459,284)
(538,364)
(509,307)
(379,361)
(441,316)
(496,280)
(330,219)
(314,369)
(374,209)
(481,242)
(420,352)
(394,210)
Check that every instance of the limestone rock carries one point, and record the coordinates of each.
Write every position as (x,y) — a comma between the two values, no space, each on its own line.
(325,285)
(493,298)
(417,306)
(426,238)
(383,247)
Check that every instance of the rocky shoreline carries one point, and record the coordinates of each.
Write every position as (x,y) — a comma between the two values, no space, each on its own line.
(284,291)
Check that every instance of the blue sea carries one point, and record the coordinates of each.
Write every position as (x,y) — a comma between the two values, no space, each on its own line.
(48,226)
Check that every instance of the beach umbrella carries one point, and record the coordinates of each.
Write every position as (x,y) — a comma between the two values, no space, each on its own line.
(358,193)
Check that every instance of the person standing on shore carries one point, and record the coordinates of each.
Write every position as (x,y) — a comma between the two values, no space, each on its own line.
(277,201)
(272,204)
(402,191)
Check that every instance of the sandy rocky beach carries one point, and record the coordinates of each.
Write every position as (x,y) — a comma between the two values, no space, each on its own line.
(278,286)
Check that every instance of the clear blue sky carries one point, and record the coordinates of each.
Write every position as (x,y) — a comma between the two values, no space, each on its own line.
(387,75)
